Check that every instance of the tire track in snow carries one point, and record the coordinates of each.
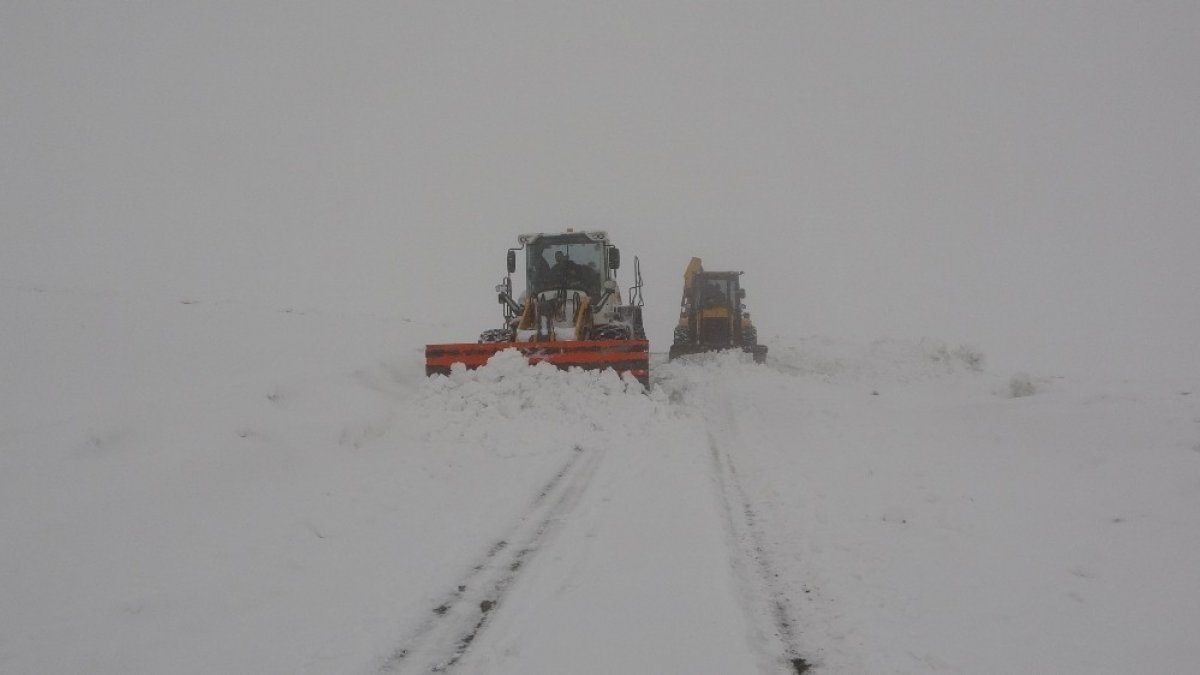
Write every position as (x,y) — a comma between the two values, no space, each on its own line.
(440,643)
(770,609)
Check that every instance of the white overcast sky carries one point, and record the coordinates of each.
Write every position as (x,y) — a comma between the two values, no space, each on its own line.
(1024,176)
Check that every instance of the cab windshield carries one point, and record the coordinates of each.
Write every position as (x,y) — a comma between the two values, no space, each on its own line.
(715,293)
(566,264)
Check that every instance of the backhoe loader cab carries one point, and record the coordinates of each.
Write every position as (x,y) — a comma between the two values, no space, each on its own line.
(712,316)
(570,314)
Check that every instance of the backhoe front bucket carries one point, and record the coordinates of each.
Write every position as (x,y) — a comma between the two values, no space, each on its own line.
(623,356)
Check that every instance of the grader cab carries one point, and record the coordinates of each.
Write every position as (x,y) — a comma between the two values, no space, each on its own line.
(571,313)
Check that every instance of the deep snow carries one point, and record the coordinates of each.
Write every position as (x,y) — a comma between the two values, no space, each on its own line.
(194,486)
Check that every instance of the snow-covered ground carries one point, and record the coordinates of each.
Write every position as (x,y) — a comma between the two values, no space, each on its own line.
(228,228)
(196,486)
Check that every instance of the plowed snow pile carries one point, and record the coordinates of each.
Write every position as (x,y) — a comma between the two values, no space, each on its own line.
(267,491)
(508,407)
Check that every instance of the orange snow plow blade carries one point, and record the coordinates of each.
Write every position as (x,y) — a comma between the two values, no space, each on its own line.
(623,356)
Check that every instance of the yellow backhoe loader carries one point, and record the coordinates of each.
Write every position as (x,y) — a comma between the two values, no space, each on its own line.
(712,316)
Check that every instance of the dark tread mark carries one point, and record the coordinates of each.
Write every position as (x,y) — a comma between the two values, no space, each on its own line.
(749,535)
(493,576)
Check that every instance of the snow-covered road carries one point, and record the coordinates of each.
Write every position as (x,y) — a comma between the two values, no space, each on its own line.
(622,562)
(640,556)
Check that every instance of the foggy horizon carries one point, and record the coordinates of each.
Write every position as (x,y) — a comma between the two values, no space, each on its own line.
(1021,176)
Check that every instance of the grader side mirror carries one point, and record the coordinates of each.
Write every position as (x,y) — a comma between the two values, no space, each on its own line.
(614,258)
(512,262)
(741,293)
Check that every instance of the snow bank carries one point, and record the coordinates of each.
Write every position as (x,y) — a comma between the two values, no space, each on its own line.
(508,406)
(883,359)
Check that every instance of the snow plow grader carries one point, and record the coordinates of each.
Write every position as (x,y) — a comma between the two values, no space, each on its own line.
(570,314)
(712,316)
